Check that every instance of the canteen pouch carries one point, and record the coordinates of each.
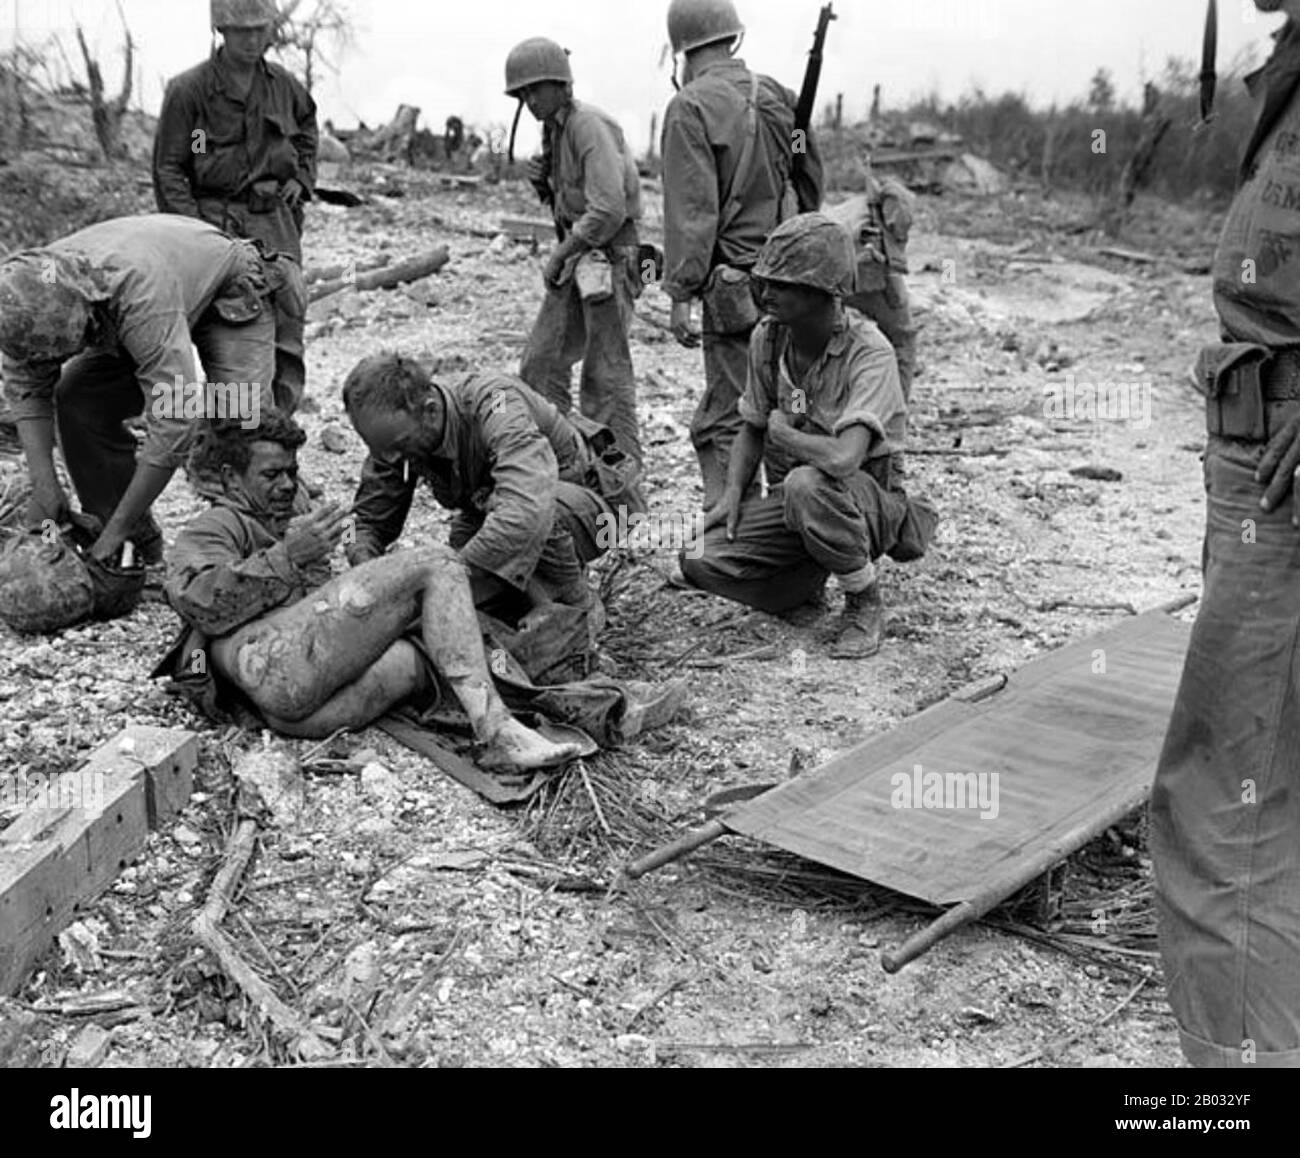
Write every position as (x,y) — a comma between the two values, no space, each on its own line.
(730,302)
(1228,373)
(594,277)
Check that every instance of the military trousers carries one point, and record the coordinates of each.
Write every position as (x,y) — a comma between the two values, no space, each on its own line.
(788,543)
(1225,807)
(568,329)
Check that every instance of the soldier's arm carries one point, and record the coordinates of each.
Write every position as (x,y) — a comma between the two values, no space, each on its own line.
(174,144)
(690,203)
(159,343)
(215,588)
(30,390)
(875,396)
(602,184)
(381,507)
(306,141)
(840,456)
(525,481)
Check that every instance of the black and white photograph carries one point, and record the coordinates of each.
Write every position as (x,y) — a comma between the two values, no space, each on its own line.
(704,534)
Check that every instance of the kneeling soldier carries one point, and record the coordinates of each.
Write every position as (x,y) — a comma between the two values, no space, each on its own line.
(824,411)
(311,652)
(521,478)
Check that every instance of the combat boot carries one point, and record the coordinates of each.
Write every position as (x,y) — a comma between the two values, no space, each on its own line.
(862,625)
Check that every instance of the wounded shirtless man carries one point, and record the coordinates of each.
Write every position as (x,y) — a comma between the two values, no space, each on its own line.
(311,652)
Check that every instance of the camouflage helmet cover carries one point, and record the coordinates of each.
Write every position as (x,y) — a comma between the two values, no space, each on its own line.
(694,23)
(44,585)
(534,61)
(244,14)
(809,250)
(45,304)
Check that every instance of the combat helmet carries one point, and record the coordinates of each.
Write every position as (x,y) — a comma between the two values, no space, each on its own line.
(694,23)
(244,13)
(46,300)
(534,61)
(809,250)
(44,584)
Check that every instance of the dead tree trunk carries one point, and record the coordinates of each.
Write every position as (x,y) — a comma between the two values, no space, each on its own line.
(106,115)
(1137,171)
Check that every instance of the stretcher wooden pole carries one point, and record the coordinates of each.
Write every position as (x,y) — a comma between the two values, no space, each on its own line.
(712,831)
(988,899)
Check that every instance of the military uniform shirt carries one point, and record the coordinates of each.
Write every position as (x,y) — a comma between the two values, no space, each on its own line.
(853,383)
(594,177)
(161,274)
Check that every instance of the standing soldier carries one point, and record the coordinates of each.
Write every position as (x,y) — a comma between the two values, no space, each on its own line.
(734,168)
(1225,806)
(236,146)
(588,176)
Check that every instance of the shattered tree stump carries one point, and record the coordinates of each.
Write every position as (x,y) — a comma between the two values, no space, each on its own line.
(54,858)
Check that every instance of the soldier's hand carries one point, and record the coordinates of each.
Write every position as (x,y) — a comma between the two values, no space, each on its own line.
(1278,468)
(49,502)
(292,192)
(554,268)
(685,333)
(779,430)
(535,170)
(313,537)
(726,512)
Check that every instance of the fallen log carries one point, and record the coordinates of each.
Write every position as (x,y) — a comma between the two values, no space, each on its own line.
(341,269)
(413,269)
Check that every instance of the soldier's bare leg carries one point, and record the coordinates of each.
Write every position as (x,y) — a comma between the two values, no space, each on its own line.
(315,658)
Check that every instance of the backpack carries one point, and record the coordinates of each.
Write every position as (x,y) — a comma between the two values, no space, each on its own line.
(879,223)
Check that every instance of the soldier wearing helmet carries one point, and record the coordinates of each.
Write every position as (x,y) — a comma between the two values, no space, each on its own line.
(589,178)
(236,145)
(729,146)
(100,327)
(824,411)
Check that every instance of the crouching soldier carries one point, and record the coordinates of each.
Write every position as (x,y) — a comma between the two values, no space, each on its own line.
(528,490)
(100,327)
(824,411)
(310,652)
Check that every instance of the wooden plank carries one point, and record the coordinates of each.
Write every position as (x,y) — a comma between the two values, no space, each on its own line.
(532,228)
(79,831)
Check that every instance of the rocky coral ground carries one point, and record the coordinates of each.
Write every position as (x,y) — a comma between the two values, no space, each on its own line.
(414,924)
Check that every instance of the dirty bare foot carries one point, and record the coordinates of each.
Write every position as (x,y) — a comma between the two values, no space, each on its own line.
(511,746)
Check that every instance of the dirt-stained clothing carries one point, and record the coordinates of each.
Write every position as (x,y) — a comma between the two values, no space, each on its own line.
(516,472)
(1225,805)
(161,276)
(705,128)
(811,525)
(597,197)
(228,569)
(224,157)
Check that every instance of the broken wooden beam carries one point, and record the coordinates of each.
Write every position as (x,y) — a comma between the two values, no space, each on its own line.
(413,269)
(529,228)
(80,829)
